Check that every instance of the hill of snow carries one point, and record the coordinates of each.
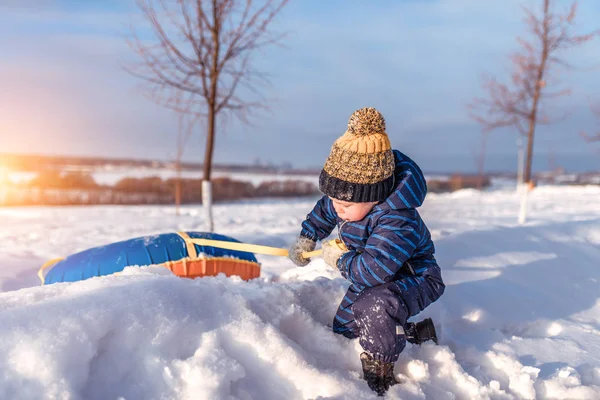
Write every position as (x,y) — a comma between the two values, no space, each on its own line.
(520,318)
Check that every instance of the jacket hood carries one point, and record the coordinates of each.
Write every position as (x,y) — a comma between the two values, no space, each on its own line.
(410,186)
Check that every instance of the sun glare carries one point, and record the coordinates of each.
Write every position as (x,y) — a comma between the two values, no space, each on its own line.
(3,175)
(3,183)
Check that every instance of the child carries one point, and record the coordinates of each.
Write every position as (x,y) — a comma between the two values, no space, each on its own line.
(371,194)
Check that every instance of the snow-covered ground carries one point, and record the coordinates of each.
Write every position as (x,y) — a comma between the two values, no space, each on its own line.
(520,318)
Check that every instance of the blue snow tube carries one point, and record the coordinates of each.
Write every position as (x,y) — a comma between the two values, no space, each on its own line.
(169,249)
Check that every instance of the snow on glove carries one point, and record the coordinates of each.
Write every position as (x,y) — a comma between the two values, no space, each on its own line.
(332,253)
(301,245)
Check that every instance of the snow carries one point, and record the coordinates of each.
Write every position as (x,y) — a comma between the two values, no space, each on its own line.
(520,318)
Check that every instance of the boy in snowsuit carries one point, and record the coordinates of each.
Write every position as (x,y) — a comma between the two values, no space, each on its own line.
(371,194)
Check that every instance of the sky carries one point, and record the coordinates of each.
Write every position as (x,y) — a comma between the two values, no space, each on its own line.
(64,91)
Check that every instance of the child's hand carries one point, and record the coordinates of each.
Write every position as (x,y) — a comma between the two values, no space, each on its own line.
(301,245)
(332,253)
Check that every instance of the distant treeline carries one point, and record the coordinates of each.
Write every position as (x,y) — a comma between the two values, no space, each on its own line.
(457,182)
(70,188)
(73,188)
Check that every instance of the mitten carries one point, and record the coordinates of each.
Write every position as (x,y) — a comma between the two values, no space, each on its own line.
(332,253)
(301,245)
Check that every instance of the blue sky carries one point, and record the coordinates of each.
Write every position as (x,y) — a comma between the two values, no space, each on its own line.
(419,62)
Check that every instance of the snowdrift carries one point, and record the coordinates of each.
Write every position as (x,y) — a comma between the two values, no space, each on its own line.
(520,318)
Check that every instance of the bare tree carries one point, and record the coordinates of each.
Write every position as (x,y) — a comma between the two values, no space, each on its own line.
(200,61)
(518,103)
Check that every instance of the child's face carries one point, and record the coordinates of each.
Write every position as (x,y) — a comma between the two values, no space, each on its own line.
(352,211)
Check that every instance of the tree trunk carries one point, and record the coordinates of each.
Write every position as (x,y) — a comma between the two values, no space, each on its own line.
(210,143)
(481,161)
(527,173)
(523,207)
(206,184)
(212,120)
(520,162)
(533,116)
(207,203)
(536,96)
(529,159)
(531,132)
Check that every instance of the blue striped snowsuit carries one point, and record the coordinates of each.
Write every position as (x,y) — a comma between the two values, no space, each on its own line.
(390,263)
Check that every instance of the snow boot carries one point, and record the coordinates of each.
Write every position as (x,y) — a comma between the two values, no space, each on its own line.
(378,374)
(420,332)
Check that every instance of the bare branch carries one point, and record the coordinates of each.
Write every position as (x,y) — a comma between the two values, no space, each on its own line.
(591,138)
(199,61)
(518,104)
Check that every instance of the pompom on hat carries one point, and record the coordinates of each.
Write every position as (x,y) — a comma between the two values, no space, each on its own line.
(360,166)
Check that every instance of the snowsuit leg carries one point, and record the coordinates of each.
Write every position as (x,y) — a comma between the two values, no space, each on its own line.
(343,322)
(378,310)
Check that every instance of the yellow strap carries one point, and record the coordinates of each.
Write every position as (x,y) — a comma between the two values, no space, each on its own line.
(335,242)
(314,253)
(189,245)
(255,248)
(46,265)
(246,247)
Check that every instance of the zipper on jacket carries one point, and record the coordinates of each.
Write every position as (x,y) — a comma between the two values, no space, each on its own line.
(340,233)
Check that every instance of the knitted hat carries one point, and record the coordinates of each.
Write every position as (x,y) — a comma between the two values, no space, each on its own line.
(360,167)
